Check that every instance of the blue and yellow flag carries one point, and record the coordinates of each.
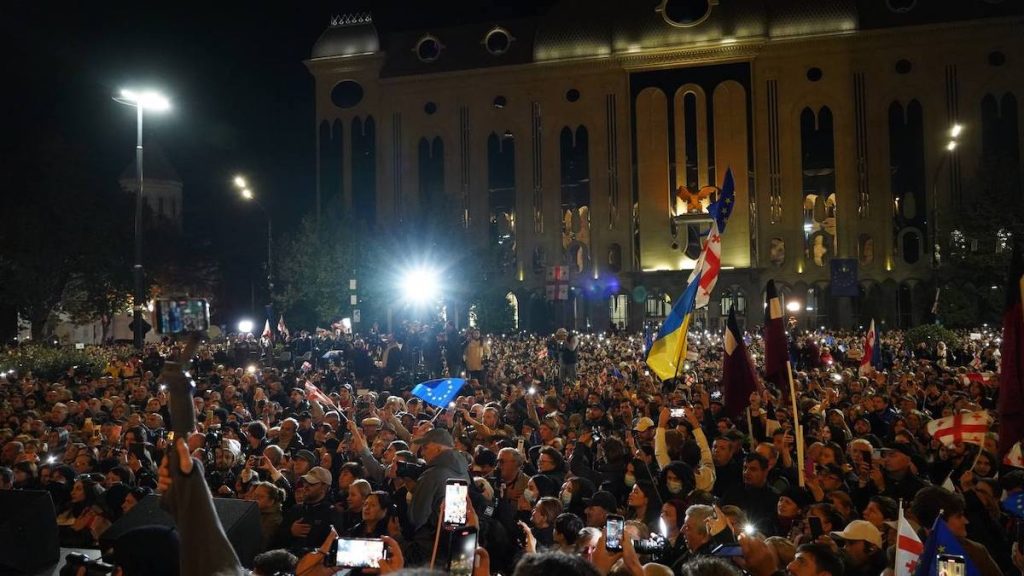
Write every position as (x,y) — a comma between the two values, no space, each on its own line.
(668,351)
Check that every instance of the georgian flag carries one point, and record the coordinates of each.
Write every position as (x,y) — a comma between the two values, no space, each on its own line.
(968,427)
(267,332)
(908,548)
(1014,457)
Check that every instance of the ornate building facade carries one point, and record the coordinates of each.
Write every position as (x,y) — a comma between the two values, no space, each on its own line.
(583,144)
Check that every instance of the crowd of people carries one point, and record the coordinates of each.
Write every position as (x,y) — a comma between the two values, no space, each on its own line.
(553,436)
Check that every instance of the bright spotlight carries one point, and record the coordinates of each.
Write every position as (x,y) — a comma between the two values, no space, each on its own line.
(148,99)
(251,369)
(793,306)
(749,529)
(246,193)
(951,145)
(420,285)
(245,326)
(956,130)
(240,182)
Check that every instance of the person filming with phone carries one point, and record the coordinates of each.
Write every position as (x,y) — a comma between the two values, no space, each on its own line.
(436,447)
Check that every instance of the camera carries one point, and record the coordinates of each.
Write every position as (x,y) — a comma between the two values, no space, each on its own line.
(653,545)
(76,560)
(213,440)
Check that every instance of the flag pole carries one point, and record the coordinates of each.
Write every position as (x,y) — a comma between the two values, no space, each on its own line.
(796,425)
(750,429)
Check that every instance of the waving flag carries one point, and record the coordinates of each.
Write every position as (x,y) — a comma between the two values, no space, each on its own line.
(776,348)
(867,361)
(439,392)
(970,427)
(738,376)
(668,351)
(267,332)
(281,328)
(908,547)
(942,541)
(1011,372)
(1014,457)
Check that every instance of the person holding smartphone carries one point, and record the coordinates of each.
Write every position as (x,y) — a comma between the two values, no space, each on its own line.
(436,447)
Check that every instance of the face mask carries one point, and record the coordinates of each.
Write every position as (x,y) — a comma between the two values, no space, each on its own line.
(630,480)
(530,495)
(566,498)
(675,486)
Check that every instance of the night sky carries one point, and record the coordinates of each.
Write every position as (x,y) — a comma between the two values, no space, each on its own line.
(242,99)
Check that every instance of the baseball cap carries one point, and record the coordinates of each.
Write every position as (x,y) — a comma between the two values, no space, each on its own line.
(371,422)
(643,424)
(860,530)
(318,475)
(604,499)
(435,436)
(307,456)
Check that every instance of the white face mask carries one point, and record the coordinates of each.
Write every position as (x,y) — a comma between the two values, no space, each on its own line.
(630,480)
(675,486)
(530,495)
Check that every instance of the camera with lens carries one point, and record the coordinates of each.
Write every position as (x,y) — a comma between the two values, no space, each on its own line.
(653,545)
(76,560)
(409,470)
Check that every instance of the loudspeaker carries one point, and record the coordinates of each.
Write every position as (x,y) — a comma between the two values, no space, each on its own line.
(29,540)
(240,519)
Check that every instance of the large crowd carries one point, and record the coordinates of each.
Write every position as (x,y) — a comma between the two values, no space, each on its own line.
(553,435)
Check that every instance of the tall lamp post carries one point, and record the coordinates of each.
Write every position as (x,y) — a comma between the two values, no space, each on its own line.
(153,101)
(954,134)
(243,188)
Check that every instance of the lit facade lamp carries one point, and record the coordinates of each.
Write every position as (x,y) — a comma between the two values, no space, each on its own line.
(954,134)
(242,185)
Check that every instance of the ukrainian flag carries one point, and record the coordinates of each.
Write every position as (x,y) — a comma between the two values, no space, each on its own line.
(668,351)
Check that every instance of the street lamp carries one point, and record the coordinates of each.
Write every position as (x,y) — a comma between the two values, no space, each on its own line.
(155,102)
(954,132)
(246,192)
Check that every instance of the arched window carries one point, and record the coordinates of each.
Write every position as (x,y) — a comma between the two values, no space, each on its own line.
(733,299)
(817,149)
(905,302)
(501,200)
(658,306)
(431,177)
(330,160)
(364,170)
(907,174)
(575,198)
(618,309)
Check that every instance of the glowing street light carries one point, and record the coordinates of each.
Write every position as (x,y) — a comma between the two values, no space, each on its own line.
(245,326)
(955,131)
(141,101)
(242,184)
(793,306)
(951,145)
(247,194)
(420,285)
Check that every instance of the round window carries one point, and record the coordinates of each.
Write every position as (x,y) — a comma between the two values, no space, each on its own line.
(685,12)
(903,66)
(428,49)
(347,94)
(500,102)
(498,41)
(430,107)
(572,95)
(814,74)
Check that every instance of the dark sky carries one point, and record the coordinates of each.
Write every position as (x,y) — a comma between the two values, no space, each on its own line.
(242,98)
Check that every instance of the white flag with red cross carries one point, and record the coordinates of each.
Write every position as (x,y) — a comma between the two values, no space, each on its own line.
(970,427)
(908,548)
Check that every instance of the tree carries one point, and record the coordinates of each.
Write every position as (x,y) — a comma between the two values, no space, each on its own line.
(314,265)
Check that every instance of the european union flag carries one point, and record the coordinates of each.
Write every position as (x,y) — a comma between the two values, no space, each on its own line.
(1014,504)
(439,392)
(942,541)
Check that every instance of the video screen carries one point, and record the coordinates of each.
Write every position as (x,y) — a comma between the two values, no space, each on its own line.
(356,553)
(182,315)
(455,504)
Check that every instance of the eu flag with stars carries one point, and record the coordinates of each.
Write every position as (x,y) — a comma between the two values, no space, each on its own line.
(1014,504)
(942,541)
(439,392)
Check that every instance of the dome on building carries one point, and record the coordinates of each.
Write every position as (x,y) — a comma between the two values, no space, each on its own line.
(658,24)
(574,29)
(348,35)
(796,18)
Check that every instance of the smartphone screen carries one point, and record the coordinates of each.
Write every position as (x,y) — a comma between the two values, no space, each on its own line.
(357,552)
(951,565)
(613,533)
(463,551)
(816,528)
(174,316)
(676,412)
(455,493)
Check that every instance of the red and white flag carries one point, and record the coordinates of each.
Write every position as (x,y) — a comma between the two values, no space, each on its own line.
(1014,457)
(314,393)
(968,427)
(267,332)
(866,366)
(983,377)
(908,548)
(282,328)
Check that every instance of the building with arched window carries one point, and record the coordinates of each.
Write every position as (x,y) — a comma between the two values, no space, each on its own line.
(583,141)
